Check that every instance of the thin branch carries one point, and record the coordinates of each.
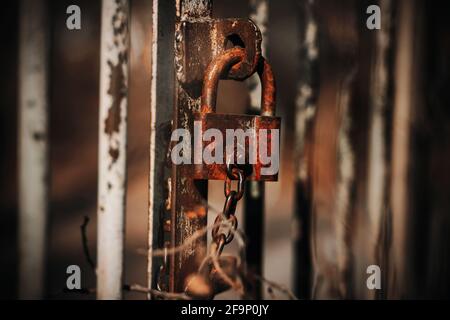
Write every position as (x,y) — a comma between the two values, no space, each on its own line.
(84,238)
(156,293)
(196,235)
(234,284)
(240,239)
(135,288)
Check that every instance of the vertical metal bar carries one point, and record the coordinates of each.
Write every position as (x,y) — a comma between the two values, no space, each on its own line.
(378,164)
(189,196)
(254,231)
(305,113)
(407,99)
(112,147)
(162,101)
(33,147)
(259,14)
(254,197)
(332,162)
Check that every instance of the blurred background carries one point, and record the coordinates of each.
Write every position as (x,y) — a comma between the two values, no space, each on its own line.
(340,204)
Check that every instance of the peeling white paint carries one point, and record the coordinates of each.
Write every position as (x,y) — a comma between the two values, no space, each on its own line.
(311,40)
(112,148)
(377,166)
(345,180)
(33,147)
(305,101)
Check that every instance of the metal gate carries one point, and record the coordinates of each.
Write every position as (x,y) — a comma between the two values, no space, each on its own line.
(358,147)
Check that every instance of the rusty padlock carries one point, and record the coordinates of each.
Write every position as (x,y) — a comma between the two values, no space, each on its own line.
(260,146)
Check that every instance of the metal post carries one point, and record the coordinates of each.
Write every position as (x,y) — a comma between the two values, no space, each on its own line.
(254,197)
(378,164)
(188,202)
(33,147)
(408,98)
(198,39)
(112,147)
(307,93)
(332,162)
(162,101)
(259,14)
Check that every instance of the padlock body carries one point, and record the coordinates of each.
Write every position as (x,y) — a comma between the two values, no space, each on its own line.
(260,144)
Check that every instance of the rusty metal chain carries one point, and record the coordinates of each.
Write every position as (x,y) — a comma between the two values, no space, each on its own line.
(223,230)
(223,233)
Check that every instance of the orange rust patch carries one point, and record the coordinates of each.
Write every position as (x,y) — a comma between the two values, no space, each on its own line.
(198,212)
(118,91)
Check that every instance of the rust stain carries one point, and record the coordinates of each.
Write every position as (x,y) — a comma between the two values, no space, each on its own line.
(31,103)
(198,212)
(118,91)
(39,136)
(222,122)
(119,19)
(114,154)
(167,226)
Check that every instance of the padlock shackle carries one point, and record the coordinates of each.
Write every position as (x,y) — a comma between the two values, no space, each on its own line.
(268,88)
(221,65)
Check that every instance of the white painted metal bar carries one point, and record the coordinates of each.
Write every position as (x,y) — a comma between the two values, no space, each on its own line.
(378,164)
(112,148)
(33,147)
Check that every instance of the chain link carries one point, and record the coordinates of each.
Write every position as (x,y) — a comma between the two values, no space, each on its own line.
(235,173)
(226,223)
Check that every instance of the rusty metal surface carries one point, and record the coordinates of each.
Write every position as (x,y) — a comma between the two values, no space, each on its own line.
(197,40)
(163,76)
(225,226)
(211,120)
(201,41)
(187,197)
(220,67)
(222,122)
